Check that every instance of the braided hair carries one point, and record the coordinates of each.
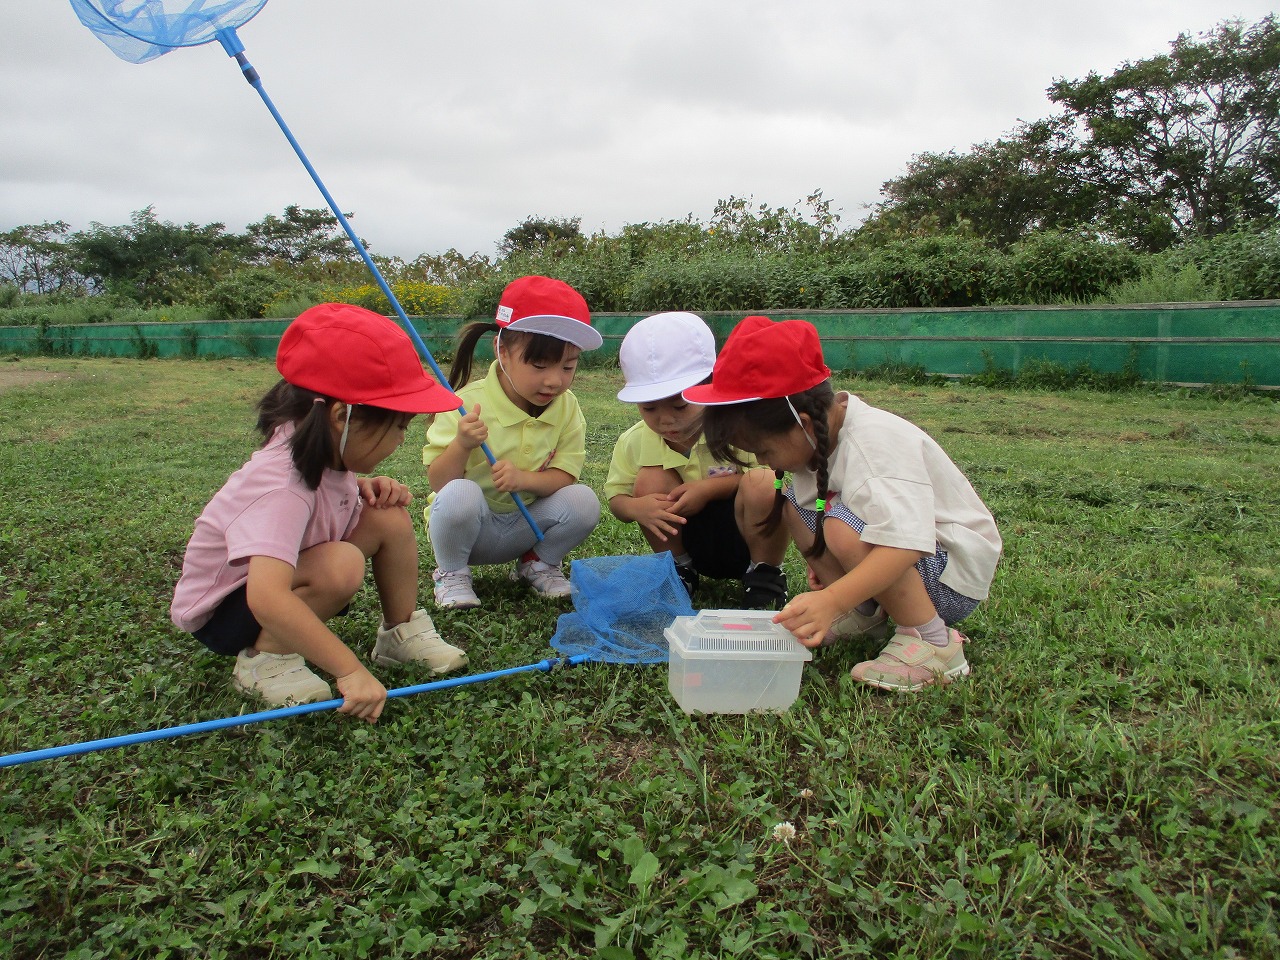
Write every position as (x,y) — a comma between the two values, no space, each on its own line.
(729,427)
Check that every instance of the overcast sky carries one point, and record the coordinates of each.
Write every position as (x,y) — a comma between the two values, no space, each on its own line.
(444,124)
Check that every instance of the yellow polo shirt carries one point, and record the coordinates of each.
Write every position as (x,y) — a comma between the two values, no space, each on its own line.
(557,439)
(641,447)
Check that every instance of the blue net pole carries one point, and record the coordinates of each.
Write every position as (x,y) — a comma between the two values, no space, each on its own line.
(234,48)
(91,746)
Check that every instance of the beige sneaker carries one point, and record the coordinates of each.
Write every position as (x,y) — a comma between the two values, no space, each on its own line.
(280,679)
(909,663)
(417,641)
(854,624)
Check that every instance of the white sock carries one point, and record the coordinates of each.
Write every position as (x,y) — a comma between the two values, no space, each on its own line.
(935,631)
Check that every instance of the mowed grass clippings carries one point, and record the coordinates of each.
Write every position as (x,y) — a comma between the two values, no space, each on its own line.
(1104,785)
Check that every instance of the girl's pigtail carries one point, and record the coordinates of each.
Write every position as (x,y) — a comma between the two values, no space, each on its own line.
(470,335)
(313,442)
(822,445)
(770,523)
(311,445)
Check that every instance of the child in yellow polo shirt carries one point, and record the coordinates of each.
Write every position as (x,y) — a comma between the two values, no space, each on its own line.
(532,423)
(706,513)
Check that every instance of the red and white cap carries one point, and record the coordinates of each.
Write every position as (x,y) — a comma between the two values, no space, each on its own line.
(763,359)
(550,307)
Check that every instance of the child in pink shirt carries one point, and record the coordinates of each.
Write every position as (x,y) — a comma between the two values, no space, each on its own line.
(282,546)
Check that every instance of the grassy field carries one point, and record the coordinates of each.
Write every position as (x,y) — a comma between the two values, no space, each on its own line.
(1104,785)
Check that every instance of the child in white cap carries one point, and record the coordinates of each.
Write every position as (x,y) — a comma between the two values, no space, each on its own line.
(532,423)
(706,512)
(282,546)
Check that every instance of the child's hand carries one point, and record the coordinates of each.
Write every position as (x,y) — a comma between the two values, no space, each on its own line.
(380,492)
(507,477)
(471,429)
(815,582)
(688,499)
(809,616)
(655,514)
(363,695)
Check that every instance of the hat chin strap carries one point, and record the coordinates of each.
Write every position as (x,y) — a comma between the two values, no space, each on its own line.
(497,349)
(791,407)
(346,426)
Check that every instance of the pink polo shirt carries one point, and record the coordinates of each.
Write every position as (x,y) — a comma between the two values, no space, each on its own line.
(263,510)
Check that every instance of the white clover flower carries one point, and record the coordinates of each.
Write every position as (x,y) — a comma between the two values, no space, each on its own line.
(785,831)
(806,794)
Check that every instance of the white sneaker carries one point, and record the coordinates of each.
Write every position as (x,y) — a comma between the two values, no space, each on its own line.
(453,589)
(280,679)
(546,580)
(416,641)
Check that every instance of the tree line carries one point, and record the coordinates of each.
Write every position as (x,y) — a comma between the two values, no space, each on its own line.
(1160,180)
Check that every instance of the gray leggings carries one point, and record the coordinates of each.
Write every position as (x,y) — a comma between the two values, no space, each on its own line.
(464,531)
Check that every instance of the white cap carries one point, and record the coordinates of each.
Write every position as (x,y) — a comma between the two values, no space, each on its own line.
(663,354)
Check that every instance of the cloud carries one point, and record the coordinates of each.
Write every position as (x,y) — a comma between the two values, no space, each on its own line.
(443,125)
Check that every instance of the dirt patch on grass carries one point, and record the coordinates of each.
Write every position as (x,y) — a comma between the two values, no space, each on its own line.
(9,379)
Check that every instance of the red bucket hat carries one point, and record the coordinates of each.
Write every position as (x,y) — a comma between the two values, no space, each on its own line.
(763,360)
(550,307)
(358,356)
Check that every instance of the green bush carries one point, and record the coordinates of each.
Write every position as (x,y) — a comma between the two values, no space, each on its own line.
(734,282)
(932,271)
(290,306)
(35,310)
(1051,267)
(1162,282)
(246,294)
(1241,265)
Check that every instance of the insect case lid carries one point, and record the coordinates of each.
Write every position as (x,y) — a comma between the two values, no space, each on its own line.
(739,634)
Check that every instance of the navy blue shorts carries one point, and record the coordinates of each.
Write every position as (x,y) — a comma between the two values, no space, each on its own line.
(952,607)
(712,539)
(233,627)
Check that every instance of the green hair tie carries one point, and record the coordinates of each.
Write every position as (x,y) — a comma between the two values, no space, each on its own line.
(822,505)
(777,483)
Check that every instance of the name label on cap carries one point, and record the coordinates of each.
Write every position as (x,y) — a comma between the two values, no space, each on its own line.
(504,314)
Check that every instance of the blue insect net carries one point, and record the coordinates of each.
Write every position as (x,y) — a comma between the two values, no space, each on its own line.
(141,30)
(621,606)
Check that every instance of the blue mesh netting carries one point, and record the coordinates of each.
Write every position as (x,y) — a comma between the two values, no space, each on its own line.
(141,30)
(621,606)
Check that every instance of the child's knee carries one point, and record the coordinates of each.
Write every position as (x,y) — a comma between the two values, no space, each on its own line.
(333,570)
(389,522)
(459,495)
(651,480)
(585,503)
(577,506)
(844,542)
(460,504)
(756,490)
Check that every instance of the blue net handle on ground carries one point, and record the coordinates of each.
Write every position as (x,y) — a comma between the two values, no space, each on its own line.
(621,606)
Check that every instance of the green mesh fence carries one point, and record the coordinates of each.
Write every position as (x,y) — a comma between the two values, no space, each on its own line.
(1221,343)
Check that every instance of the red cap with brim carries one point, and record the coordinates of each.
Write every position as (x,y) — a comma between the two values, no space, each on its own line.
(358,356)
(762,360)
(550,307)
